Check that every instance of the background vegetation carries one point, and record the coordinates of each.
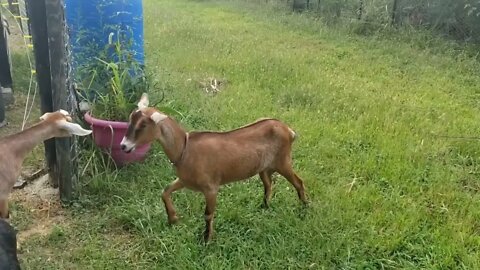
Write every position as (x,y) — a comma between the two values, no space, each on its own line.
(457,19)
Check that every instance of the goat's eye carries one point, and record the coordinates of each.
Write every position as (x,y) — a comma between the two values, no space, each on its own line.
(142,126)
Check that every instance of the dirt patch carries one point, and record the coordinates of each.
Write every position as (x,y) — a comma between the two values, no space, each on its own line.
(41,189)
(41,227)
(42,201)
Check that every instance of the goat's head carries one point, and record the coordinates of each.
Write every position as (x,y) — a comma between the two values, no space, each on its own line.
(62,122)
(142,126)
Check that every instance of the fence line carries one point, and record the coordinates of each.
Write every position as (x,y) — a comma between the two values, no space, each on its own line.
(458,19)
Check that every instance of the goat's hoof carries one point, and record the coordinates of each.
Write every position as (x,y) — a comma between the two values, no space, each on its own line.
(265,206)
(303,211)
(173,220)
(207,237)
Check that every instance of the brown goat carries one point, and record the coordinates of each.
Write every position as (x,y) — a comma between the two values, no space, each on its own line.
(206,160)
(16,147)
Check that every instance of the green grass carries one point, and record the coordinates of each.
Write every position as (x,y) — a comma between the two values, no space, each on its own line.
(367,109)
(15,112)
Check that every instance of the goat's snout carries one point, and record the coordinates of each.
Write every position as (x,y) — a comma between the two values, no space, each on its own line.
(126,145)
(125,148)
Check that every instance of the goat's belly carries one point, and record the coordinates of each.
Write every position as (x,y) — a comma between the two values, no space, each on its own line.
(246,167)
(233,176)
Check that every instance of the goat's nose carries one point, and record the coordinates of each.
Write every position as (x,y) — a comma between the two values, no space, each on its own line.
(123,146)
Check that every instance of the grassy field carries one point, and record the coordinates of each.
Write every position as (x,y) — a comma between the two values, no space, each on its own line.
(387,190)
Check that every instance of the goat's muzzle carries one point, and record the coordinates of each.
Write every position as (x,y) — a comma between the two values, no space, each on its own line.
(126,145)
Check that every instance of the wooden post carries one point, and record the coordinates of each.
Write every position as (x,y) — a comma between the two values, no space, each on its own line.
(394,12)
(38,23)
(340,8)
(5,73)
(299,5)
(60,91)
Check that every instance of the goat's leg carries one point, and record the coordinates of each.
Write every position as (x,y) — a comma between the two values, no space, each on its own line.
(211,201)
(295,180)
(4,208)
(266,177)
(167,200)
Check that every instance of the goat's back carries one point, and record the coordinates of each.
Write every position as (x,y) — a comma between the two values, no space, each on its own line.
(239,153)
(268,128)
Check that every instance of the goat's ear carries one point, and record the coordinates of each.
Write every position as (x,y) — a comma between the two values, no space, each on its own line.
(158,117)
(65,113)
(73,128)
(143,103)
(44,116)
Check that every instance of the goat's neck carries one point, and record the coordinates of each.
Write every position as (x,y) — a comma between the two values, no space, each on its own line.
(23,143)
(172,139)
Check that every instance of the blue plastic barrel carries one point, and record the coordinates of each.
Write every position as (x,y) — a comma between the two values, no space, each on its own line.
(90,22)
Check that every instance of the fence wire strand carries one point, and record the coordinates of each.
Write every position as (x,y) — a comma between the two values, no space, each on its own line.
(27,43)
(457,19)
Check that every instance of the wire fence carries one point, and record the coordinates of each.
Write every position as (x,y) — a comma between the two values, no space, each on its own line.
(72,102)
(17,11)
(457,19)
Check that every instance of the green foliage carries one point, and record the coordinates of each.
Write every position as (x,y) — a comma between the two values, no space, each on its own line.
(20,72)
(114,81)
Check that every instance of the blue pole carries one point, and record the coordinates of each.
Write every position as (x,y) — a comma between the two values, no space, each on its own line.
(91,22)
